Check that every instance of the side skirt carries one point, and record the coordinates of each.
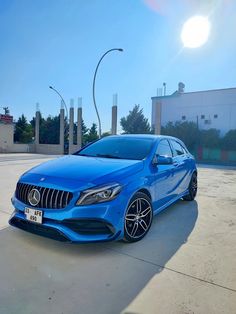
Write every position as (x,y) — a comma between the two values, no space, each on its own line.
(158,210)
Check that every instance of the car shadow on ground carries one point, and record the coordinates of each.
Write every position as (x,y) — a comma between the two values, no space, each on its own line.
(169,231)
(101,278)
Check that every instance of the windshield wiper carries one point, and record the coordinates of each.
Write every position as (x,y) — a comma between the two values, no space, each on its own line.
(108,156)
(84,155)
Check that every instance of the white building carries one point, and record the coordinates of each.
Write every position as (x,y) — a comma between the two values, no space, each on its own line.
(209,109)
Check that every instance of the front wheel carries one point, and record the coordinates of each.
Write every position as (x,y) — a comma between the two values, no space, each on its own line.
(138,217)
(192,189)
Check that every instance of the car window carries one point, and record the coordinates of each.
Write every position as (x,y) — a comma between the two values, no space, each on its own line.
(184,149)
(164,149)
(119,147)
(177,148)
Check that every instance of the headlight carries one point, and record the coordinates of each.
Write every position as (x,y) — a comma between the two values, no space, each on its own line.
(99,194)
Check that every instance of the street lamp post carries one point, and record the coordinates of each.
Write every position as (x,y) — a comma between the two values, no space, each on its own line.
(61,99)
(64,103)
(94,80)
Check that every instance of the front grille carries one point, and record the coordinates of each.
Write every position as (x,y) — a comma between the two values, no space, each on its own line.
(49,198)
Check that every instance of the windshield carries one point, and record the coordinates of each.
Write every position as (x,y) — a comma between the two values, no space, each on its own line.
(119,148)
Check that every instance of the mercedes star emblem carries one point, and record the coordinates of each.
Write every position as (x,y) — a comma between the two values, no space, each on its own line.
(34,197)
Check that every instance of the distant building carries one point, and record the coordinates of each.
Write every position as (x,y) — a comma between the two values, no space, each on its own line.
(209,109)
(6,134)
(6,118)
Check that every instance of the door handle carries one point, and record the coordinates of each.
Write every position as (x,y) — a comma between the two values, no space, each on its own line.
(175,164)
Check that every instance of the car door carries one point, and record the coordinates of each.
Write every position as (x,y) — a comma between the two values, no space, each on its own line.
(181,168)
(163,176)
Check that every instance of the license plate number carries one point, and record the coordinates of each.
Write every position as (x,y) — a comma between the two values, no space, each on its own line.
(34,215)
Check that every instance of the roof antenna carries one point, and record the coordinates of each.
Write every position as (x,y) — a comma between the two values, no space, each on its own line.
(164,87)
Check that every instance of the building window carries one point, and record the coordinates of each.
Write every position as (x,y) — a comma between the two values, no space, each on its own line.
(183,117)
(207,121)
(202,116)
(215,116)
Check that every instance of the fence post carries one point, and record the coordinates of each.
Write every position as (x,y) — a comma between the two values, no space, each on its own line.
(71,127)
(62,129)
(37,122)
(79,128)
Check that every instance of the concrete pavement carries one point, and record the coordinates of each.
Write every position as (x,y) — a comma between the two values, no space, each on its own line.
(11,168)
(186,264)
(201,276)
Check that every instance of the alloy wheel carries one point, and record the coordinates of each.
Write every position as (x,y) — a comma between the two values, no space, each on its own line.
(138,218)
(192,189)
(194,186)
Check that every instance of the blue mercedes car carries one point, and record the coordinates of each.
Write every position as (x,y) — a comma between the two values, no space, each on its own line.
(109,190)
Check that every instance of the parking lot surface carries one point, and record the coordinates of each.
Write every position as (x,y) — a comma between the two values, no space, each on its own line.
(186,264)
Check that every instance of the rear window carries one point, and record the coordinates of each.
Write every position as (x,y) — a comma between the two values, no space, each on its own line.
(177,148)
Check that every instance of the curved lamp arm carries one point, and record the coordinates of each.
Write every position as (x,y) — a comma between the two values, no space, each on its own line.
(94,80)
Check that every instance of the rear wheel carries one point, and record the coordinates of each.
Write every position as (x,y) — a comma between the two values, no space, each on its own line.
(192,188)
(138,218)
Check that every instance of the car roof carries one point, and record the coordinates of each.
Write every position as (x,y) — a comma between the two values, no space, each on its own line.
(143,136)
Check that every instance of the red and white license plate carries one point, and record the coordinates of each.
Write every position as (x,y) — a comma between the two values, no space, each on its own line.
(34,215)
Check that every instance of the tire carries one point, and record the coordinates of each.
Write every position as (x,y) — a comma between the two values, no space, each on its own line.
(138,217)
(192,189)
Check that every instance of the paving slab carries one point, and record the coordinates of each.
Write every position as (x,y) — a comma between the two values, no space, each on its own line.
(4,217)
(10,171)
(171,293)
(209,251)
(39,275)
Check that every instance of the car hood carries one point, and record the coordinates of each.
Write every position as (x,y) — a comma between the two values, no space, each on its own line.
(79,172)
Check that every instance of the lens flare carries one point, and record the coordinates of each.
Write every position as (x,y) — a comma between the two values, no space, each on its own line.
(195,32)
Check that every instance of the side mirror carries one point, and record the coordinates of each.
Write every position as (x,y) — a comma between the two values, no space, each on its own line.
(162,160)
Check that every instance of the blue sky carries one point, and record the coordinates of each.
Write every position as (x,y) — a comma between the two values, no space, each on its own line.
(59,43)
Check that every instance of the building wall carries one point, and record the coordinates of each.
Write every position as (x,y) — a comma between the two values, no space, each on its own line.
(22,148)
(50,149)
(8,146)
(6,141)
(6,137)
(74,148)
(217,106)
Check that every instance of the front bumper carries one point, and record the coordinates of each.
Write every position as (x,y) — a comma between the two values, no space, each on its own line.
(80,224)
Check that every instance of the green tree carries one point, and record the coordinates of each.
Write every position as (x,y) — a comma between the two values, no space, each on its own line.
(135,122)
(92,134)
(228,142)
(186,131)
(104,134)
(49,130)
(210,138)
(84,130)
(23,131)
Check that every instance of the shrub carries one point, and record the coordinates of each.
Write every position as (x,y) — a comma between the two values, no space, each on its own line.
(228,142)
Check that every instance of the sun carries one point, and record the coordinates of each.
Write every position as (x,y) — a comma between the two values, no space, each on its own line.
(195,32)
